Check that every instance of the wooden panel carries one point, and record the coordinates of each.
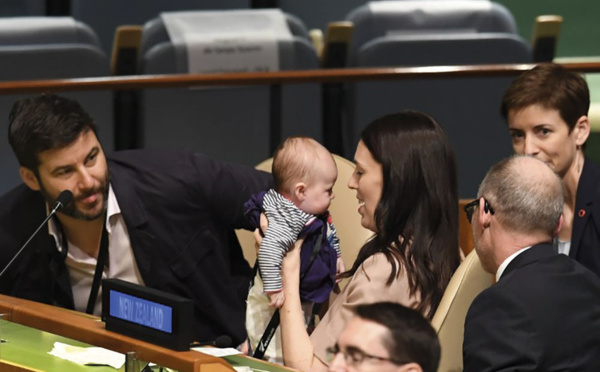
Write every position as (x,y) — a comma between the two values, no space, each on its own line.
(7,367)
(279,77)
(88,329)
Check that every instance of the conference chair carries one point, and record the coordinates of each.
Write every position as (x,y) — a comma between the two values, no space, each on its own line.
(449,319)
(343,209)
(319,13)
(228,123)
(432,33)
(382,19)
(37,48)
(106,15)
(544,38)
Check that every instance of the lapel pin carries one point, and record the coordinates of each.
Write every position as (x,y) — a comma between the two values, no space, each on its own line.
(581,212)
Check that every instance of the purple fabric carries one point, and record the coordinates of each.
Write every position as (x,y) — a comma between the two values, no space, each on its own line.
(319,277)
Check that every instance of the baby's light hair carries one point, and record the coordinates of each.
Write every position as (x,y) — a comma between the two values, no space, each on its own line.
(296,159)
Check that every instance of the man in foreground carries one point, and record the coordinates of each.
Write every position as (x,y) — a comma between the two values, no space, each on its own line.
(386,336)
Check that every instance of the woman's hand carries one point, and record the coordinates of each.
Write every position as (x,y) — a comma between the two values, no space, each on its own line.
(297,347)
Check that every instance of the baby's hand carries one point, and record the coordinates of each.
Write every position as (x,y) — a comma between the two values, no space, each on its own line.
(339,268)
(243,348)
(276,298)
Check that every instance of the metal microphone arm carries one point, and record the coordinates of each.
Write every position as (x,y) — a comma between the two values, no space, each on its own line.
(63,199)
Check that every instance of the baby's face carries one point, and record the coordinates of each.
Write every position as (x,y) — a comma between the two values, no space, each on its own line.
(319,191)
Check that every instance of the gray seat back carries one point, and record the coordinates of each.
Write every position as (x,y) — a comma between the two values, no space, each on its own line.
(57,48)
(387,18)
(45,30)
(155,33)
(467,108)
(228,123)
(443,49)
(319,13)
(106,15)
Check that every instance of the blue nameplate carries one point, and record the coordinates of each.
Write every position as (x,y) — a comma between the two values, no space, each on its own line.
(140,311)
(147,314)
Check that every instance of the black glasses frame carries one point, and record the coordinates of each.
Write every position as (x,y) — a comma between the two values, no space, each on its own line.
(470,208)
(355,356)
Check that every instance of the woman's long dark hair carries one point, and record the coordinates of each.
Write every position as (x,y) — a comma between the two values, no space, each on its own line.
(417,215)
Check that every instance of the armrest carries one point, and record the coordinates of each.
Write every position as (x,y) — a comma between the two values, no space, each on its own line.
(335,48)
(125,50)
(545,37)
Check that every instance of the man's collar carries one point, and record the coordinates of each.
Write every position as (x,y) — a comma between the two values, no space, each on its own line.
(532,254)
(112,206)
(508,260)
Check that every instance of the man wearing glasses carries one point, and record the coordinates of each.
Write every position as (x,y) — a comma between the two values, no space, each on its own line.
(543,314)
(386,336)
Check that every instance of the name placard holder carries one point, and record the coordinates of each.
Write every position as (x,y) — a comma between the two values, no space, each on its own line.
(147,314)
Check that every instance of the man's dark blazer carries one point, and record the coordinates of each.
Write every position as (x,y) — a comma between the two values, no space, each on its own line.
(180,210)
(585,238)
(542,315)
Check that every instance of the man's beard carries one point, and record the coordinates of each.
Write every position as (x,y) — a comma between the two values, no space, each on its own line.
(72,211)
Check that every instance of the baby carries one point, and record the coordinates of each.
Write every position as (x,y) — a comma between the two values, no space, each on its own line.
(304,173)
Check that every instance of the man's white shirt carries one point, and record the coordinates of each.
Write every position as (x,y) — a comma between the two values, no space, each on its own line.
(121,262)
(508,260)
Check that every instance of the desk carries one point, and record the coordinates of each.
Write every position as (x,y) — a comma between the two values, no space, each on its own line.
(27,349)
(32,328)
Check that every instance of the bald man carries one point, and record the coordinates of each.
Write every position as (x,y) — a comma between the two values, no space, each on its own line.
(543,314)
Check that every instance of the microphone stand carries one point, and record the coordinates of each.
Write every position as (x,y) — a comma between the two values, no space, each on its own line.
(59,204)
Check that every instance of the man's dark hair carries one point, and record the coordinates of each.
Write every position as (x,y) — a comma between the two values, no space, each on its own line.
(45,122)
(552,87)
(411,338)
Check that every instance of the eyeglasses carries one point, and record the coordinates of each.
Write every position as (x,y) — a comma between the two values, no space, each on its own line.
(470,208)
(354,356)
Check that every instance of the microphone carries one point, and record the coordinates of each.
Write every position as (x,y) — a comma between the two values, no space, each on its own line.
(63,199)
(220,341)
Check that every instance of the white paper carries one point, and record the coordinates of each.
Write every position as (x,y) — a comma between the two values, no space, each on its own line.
(242,369)
(218,352)
(88,355)
(229,41)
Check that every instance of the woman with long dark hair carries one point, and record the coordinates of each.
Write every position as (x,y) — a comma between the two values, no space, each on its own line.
(406,185)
